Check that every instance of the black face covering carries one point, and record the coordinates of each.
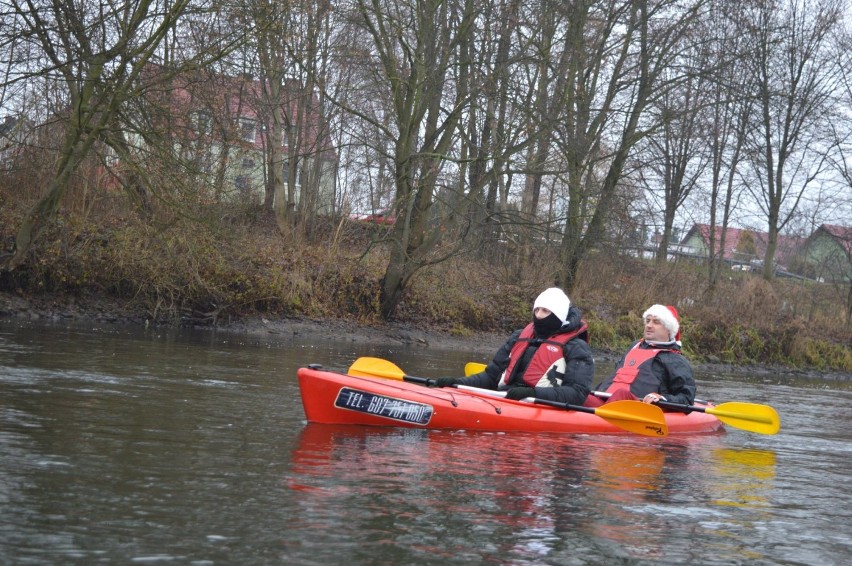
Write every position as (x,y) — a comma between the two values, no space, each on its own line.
(547,325)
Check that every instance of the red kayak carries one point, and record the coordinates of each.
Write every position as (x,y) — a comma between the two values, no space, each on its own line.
(335,398)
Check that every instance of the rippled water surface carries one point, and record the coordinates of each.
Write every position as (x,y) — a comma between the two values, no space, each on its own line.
(133,446)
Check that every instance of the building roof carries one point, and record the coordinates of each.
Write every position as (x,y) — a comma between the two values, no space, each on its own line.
(787,246)
(841,234)
(242,97)
(732,237)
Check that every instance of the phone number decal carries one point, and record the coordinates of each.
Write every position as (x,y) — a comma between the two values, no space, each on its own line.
(379,405)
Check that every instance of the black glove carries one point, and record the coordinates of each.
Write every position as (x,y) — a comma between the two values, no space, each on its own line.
(518,393)
(445,382)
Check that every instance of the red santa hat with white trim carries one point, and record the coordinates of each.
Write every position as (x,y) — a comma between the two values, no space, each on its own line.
(668,316)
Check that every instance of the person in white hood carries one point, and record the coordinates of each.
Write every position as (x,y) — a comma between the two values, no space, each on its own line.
(550,358)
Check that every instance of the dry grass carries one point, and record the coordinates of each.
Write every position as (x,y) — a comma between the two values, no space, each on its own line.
(209,265)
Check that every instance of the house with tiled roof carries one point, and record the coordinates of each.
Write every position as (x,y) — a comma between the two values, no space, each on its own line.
(741,246)
(828,253)
(221,125)
(698,241)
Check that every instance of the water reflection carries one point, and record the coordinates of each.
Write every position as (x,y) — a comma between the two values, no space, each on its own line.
(623,480)
(744,477)
(531,494)
(443,489)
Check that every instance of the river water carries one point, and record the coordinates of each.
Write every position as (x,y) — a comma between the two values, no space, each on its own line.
(125,446)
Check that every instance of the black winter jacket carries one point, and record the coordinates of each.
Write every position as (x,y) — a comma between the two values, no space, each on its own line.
(672,372)
(579,367)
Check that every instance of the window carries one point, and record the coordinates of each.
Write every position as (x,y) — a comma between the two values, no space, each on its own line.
(202,122)
(248,129)
(299,173)
(242,182)
(248,163)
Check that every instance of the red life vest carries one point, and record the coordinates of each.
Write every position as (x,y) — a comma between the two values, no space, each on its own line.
(635,374)
(549,353)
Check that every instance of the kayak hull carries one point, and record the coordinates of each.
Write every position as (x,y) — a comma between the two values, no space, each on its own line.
(334,398)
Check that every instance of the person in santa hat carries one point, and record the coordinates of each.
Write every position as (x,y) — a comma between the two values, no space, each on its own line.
(654,368)
(550,358)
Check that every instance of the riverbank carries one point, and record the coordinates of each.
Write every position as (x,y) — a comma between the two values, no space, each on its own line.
(100,311)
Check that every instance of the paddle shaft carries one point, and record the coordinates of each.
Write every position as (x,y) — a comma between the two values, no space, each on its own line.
(605,395)
(471,368)
(631,416)
(493,393)
(653,425)
(669,405)
(536,400)
(752,417)
(761,419)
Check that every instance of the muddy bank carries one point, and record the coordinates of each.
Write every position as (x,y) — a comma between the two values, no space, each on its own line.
(109,311)
(279,330)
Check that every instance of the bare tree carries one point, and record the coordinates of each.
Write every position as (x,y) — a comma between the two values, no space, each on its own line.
(416,45)
(726,122)
(97,55)
(490,132)
(286,45)
(548,82)
(674,160)
(618,52)
(307,139)
(841,165)
(795,78)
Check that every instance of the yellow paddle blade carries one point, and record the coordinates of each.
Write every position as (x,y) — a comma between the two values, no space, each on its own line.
(375,367)
(471,368)
(635,416)
(752,417)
